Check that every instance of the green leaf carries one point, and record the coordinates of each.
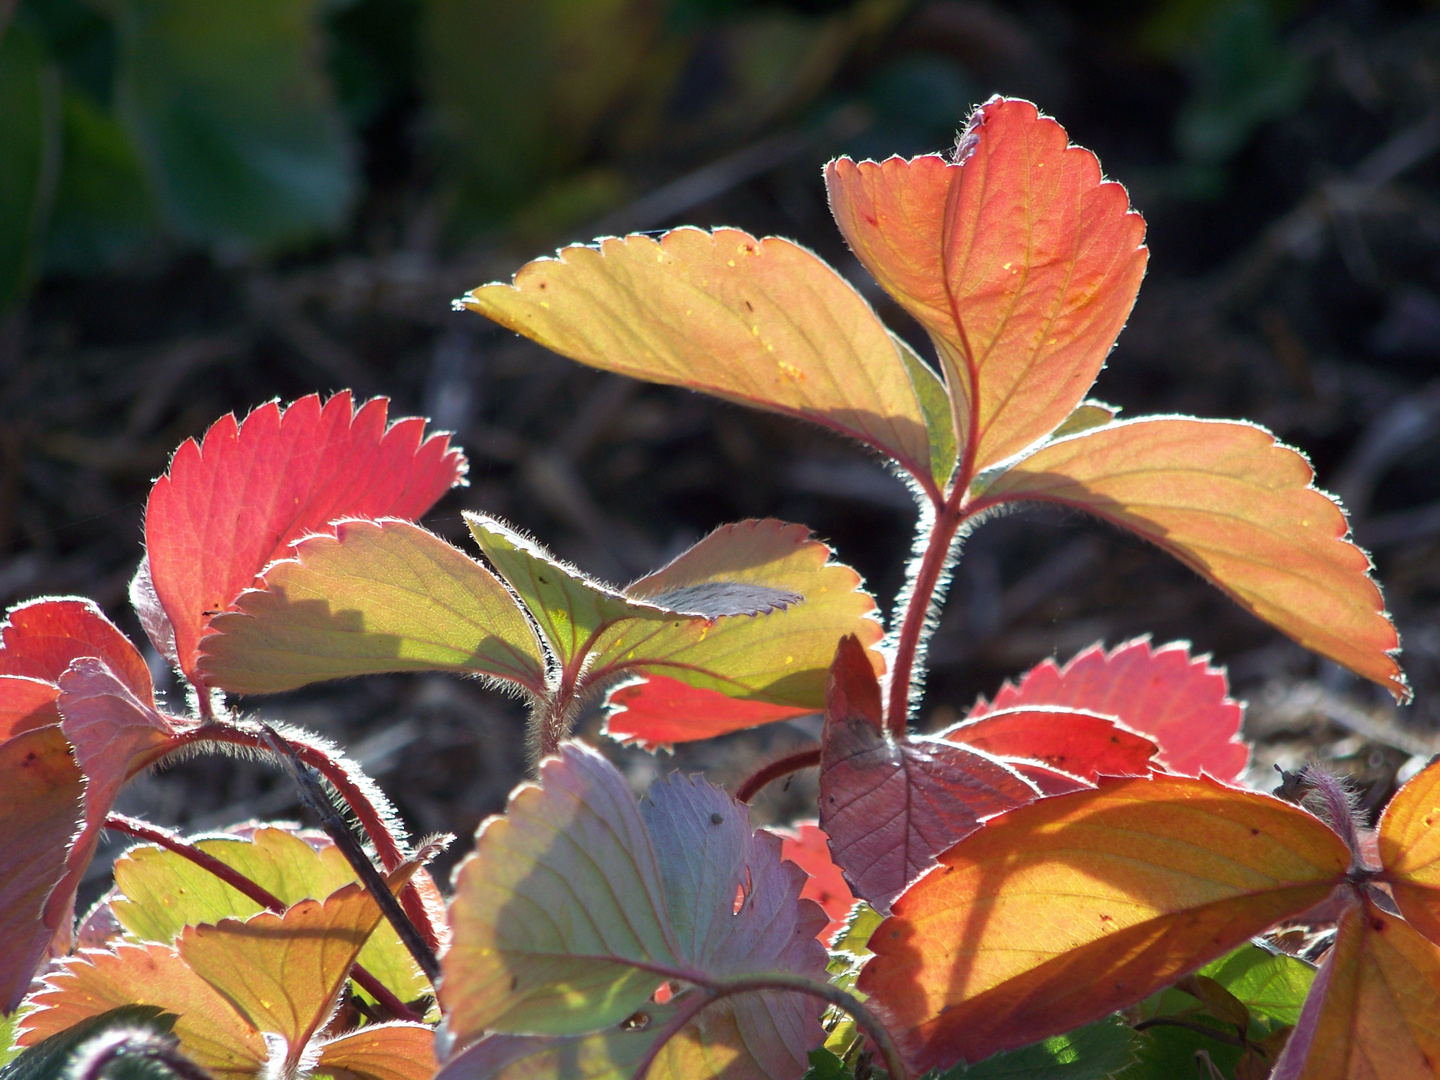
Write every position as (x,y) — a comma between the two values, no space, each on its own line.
(1271,985)
(378,596)
(233,116)
(937,411)
(826,1066)
(162,893)
(51,1059)
(30,135)
(649,895)
(104,215)
(1092,1052)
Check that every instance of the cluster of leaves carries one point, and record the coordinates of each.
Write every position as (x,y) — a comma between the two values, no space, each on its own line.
(989,894)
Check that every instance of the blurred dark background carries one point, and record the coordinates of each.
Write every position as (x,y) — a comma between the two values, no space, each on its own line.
(205,204)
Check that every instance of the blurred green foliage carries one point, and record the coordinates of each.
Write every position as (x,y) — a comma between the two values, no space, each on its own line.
(249,127)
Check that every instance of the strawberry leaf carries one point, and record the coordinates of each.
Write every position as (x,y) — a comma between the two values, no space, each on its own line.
(677,888)
(397,1051)
(376,596)
(1018,259)
(890,806)
(806,845)
(1372,1011)
(41,638)
(40,808)
(26,704)
(1081,744)
(211,1032)
(1155,876)
(760,322)
(284,973)
(1409,847)
(1239,509)
(234,503)
(1182,703)
(161,893)
(737,631)
(529,957)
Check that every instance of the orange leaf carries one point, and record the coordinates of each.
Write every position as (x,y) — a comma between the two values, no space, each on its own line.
(284,972)
(40,807)
(1020,262)
(1374,1011)
(211,1033)
(1235,506)
(1070,907)
(381,1052)
(1409,844)
(761,322)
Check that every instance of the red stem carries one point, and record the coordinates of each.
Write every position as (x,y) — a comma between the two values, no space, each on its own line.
(143,830)
(371,820)
(790,763)
(948,520)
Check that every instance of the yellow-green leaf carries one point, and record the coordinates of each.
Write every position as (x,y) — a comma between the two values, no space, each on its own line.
(760,322)
(378,596)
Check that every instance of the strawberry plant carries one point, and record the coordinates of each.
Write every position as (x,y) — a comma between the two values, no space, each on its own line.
(1069,882)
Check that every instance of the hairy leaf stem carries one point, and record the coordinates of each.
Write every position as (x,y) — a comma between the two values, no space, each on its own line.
(387,847)
(790,763)
(153,834)
(313,795)
(933,562)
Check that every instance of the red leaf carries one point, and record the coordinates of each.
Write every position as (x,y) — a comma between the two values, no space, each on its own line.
(658,710)
(42,637)
(1019,260)
(806,845)
(40,807)
(890,807)
(1075,741)
(232,505)
(25,704)
(115,735)
(1181,703)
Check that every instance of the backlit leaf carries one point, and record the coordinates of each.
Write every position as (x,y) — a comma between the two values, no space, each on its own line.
(211,1032)
(1374,1011)
(736,631)
(115,735)
(713,1044)
(1182,703)
(1409,847)
(231,505)
(397,1051)
(774,666)
(233,115)
(162,892)
(41,638)
(760,322)
(377,596)
(284,973)
(1020,262)
(41,808)
(1155,876)
(890,806)
(806,845)
(1092,1052)
(1238,508)
(1080,743)
(25,704)
(531,956)
(681,886)
(56,1056)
